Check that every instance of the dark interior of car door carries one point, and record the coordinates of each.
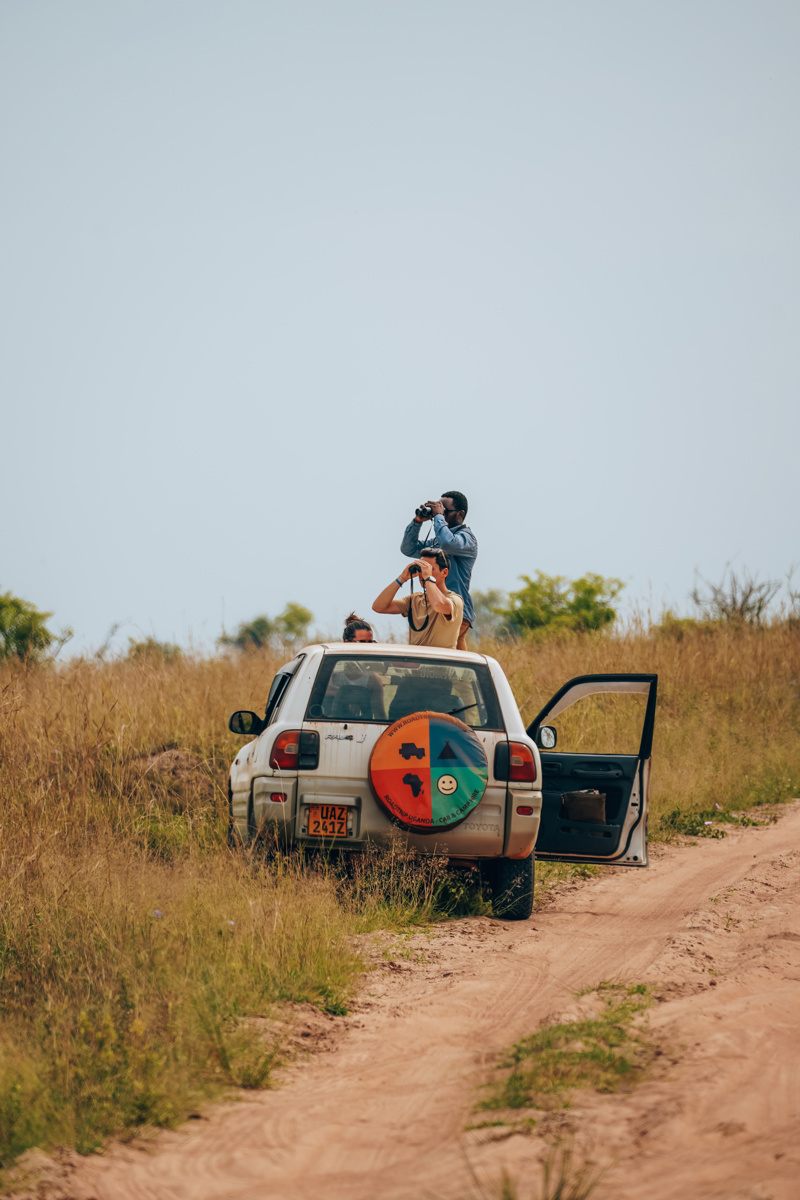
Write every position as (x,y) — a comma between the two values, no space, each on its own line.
(616,776)
(613,776)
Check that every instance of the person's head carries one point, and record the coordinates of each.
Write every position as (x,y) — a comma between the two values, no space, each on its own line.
(440,564)
(455,508)
(356,630)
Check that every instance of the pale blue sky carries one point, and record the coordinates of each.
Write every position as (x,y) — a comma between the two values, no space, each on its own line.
(271,274)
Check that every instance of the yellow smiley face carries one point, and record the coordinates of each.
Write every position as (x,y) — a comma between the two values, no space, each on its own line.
(447,785)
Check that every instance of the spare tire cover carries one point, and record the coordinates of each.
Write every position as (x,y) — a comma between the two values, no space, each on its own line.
(428,771)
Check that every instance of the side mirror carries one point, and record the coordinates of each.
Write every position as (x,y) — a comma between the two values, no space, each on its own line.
(246,723)
(546,738)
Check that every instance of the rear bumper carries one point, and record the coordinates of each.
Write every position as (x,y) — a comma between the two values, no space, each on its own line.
(494,829)
(522,827)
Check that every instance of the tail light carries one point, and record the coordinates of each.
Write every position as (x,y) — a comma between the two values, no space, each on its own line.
(521,763)
(296,750)
(514,761)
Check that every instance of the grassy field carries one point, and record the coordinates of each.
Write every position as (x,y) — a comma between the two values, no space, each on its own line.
(728,722)
(136,948)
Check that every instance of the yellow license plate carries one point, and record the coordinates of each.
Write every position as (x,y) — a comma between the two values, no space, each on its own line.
(327,820)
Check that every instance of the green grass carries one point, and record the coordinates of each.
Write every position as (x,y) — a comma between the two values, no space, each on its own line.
(706,822)
(603,1053)
(550,874)
(125,991)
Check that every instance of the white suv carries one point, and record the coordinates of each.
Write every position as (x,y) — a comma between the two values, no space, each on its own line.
(359,740)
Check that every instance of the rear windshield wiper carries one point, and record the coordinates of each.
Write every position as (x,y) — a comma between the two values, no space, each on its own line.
(463,708)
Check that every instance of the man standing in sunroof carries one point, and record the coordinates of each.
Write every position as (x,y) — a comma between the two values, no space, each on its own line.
(458,542)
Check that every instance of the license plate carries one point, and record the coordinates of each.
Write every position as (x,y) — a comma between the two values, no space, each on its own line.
(327,820)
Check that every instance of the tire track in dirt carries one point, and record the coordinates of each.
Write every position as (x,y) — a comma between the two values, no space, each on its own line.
(382,1114)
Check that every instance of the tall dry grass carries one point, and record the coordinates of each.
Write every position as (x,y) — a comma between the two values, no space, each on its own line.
(133,942)
(137,950)
(728,720)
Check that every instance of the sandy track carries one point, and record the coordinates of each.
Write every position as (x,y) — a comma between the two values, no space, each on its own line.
(383,1113)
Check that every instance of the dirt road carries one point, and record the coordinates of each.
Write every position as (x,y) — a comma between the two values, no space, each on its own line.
(714,929)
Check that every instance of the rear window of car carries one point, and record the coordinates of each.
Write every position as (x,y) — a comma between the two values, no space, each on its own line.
(383,690)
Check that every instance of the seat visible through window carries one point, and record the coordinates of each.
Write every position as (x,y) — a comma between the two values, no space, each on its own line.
(421,694)
(353,702)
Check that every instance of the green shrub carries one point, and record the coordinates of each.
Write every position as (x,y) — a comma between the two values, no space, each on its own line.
(151,649)
(602,1053)
(552,602)
(23,629)
(290,626)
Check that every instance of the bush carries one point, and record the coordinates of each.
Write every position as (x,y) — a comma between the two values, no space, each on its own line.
(736,597)
(153,650)
(289,626)
(490,619)
(23,629)
(677,627)
(552,602)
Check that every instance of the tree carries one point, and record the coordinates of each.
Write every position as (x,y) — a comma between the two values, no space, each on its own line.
(23,629)
(251,635)
(293,622)
(553,602)
(490,615)
(736,597)
(288,627)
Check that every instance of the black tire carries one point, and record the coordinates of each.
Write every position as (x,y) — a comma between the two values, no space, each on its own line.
(510,884)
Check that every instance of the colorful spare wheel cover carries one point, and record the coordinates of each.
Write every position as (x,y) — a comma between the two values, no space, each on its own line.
(428,771)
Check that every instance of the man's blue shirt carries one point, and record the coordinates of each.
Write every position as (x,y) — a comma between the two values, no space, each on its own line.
(461,547)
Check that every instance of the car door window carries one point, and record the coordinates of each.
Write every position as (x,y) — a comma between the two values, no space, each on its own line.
(605,723)
(279,688)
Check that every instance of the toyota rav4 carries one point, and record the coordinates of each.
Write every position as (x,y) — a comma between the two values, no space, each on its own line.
(360,741)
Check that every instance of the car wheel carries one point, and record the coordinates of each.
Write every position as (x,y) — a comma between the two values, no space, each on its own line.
(510,883)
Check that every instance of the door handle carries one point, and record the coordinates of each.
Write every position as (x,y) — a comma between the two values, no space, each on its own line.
(597,772)
(551,768)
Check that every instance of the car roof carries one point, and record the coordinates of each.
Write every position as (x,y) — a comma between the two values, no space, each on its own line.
(394,650)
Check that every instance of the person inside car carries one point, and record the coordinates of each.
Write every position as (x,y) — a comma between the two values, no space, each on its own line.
(358,693)
(357,630)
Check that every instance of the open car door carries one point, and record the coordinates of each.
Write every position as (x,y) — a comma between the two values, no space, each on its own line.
(596,769)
